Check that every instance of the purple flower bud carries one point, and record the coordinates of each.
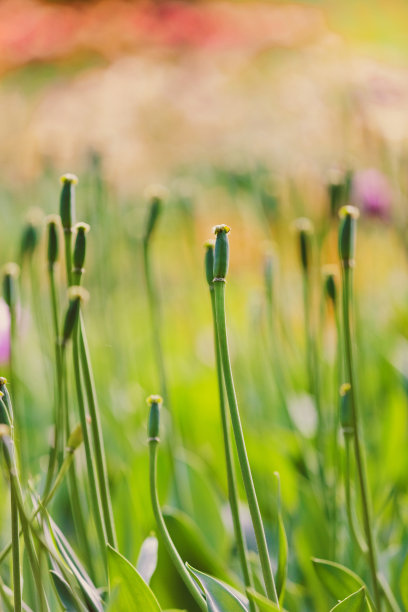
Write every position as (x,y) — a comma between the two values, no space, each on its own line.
(372,193)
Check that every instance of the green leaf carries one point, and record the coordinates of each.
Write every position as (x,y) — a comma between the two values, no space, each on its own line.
(131,591)
(356,602)
(147,561)
(64,593)
(337,579)
(220,597)
(263,604)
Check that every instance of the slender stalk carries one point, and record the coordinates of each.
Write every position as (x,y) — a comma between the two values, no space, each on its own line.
(15,544)
(171,549)
(95,497)
(231,476)
(97,435)
(219,290)
(358,451)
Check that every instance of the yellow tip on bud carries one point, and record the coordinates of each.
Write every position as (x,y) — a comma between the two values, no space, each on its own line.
(217,229)
(82,226)
(78,292)
(11,269)
(69,178)
(351,211)
(303,225)
(209,243)
(344,389)
(156,192)
(154,399)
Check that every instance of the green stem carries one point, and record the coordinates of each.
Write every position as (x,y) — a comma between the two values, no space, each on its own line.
(90,464)
(358,450)
(231,476)
(219,288)
(359,542)
(171,549)
(97,436)
(15,543)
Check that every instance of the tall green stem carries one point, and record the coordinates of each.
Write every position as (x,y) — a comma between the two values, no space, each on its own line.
(96,429)
(358,450)
(219,289)
(171,549)
(231,476)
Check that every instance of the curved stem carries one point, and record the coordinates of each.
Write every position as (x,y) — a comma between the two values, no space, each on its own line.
(171,549)
(219,289)
(358,451)
(231,476)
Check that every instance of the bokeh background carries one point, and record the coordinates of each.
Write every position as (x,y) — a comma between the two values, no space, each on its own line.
(246,111)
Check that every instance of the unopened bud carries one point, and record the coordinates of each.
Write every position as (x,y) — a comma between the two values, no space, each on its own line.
(209,261)
(11,272)
(67,201)
(53,223)
(347,234)
(30,235)
(156,195)
(304,229)
(76,296)
(80,246)
(329,280)
(221,252)
(154,401)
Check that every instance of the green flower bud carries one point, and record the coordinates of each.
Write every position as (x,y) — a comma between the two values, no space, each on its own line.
(76,295)
(209,261)
(67,201)
(304,229)
(346,410)
(75,439)
(157,195)
(80,246)
(53,224)
(329,280)
(30,235)
(221,252)
(154,401)
(347,234)
(11,272)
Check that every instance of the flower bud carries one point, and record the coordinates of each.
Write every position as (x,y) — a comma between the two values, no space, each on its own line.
(156,195)
(154,401)
(11,272)
(221,252)
(347,234)
(209,261)
(53,223)
(304,229)
(80,246)
(30,235)
(76,296)
(67,201)
(346,410)
(329,281)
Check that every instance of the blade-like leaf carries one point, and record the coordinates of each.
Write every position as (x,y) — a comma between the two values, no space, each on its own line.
(147,561)
(356,602)
(263,604)
(404,583)
(64,593)
(131,591)
(337,579)
(220,597)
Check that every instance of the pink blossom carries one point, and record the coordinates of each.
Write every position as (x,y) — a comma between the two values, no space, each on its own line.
(372,193)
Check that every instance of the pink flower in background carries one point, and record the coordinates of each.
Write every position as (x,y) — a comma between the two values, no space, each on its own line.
(4,332)
(372,193)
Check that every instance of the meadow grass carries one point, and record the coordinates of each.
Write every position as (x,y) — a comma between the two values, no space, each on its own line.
(83,505)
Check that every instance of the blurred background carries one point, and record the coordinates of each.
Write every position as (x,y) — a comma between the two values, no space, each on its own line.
(250,113)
